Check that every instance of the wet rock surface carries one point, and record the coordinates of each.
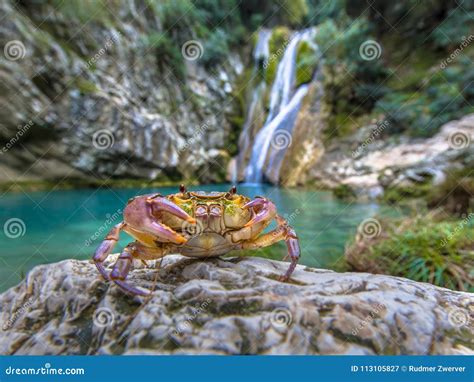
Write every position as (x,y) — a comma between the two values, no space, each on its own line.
(231,306)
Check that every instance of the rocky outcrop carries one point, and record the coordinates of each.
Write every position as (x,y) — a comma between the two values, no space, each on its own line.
(231,306)
(94,100)
(369,163)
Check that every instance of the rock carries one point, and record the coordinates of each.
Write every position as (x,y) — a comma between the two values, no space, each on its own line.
(231,306)
(382,164)
(100,104)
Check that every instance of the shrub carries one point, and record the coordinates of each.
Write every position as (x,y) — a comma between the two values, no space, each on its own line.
(167,52)
(421,249)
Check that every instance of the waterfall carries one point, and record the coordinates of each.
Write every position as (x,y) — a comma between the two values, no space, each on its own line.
(274,137)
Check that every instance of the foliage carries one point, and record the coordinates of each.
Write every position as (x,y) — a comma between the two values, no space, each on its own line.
(216,47)
(421,249)
(306,61)
(167,52)
(276,45)
(349,80)
(455,194)
(85,10)
(422,106)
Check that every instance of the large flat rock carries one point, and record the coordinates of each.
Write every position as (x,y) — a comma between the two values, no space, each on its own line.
(232,306)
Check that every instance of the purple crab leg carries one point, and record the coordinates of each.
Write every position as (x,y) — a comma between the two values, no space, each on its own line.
(266,210)
(106,247)
(120,271)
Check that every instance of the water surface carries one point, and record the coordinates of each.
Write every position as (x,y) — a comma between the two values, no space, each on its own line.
(70,224)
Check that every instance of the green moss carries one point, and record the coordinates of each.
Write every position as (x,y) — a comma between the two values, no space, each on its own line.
(86,86)
(456,193)
(398,194)
(422,249)
(306,62)
(276,46)
(344,192)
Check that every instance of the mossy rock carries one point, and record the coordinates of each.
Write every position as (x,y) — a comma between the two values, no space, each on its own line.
(398,194)
(86,86)
(344,192)
(306,62)
(276,46)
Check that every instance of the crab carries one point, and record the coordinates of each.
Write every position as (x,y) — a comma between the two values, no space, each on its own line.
(193,224)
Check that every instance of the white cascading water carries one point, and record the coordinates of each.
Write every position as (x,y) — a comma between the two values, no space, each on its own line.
(260,54)
(271,141)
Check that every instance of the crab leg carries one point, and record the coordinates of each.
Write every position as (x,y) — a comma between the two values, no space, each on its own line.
(282,232)
(106,247)
(264,209)
(124,263)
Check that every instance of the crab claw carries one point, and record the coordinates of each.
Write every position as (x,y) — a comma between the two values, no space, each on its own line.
(164,204)
(265,210)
